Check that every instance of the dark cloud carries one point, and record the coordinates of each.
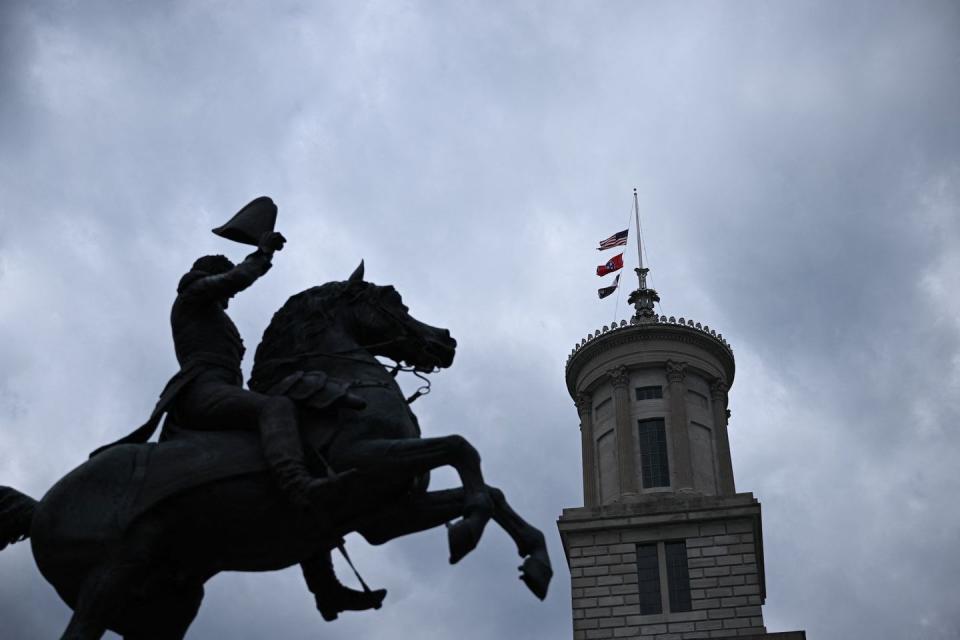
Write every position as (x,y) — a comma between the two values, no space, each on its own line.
(799,176)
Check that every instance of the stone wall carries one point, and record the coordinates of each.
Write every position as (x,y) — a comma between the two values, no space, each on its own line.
(725,574)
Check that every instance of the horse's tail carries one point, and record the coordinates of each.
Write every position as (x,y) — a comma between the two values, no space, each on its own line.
(16,515)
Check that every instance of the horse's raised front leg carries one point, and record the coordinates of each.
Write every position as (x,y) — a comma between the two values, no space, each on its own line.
(535,571)
(426,511)
(410,458)
(413,514)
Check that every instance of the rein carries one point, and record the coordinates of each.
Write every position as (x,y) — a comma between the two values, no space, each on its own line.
(422,390)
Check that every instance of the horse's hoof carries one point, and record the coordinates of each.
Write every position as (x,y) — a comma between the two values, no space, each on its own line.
(536,574)
(462,538)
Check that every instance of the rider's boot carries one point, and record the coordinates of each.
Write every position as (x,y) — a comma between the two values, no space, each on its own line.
(337,599)
(283,450)
(332,597)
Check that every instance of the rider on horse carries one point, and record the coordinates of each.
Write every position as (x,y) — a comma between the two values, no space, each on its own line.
(207,393)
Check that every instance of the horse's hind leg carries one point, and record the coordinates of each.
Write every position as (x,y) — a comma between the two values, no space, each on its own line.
(83,627)
(101,598)
(158,615)
(108,591)
(415,457)
(168,614)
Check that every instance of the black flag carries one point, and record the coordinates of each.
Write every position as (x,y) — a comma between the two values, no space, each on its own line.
(605,291)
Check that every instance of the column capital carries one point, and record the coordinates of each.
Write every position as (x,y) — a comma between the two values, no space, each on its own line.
(584,403)
(718,389)
(676,371)
(619,376)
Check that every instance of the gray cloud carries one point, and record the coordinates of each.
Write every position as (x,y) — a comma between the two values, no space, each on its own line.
(799,176)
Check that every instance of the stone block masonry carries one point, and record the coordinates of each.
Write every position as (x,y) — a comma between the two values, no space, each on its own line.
(724,569)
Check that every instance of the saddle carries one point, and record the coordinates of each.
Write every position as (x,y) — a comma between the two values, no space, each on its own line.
(186,458)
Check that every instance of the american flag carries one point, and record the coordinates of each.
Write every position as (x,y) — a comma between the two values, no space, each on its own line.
(616,240)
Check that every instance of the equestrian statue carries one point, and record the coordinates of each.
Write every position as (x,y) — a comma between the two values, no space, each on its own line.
(322,443)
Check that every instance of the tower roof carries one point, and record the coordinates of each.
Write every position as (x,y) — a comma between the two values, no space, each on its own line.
(649,329)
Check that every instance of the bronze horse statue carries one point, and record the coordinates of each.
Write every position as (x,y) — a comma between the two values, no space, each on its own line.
(129,538)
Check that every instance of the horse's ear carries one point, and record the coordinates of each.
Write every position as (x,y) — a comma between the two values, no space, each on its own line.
(357,275)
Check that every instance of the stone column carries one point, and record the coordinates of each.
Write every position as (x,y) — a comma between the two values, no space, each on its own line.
(585,409)
(718,392)
(681,470)
(626,442)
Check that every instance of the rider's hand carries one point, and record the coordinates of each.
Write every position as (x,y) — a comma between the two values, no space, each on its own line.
(271,241)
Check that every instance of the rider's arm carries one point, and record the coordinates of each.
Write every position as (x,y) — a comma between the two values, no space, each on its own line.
(223,285)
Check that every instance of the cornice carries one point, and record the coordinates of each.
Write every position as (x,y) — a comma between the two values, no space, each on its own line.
(663,328)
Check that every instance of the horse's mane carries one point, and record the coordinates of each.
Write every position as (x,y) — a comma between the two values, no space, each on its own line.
(292,331)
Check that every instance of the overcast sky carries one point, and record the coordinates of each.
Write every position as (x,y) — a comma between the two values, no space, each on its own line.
(798,171)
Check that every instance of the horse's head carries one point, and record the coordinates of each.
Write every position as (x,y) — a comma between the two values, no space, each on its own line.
(383,324)
(337,317)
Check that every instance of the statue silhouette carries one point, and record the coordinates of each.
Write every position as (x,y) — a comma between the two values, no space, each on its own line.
(129,537)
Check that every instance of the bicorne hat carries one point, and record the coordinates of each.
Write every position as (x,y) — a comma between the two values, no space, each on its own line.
(251,222)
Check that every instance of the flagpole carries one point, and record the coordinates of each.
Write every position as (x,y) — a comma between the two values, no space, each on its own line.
(636,213)
(643,299)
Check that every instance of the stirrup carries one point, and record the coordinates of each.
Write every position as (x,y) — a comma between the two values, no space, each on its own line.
(370,599)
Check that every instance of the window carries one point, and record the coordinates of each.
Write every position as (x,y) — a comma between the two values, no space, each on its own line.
(648,573)
(654,467)
(658,564)
(649,393)
(678,577)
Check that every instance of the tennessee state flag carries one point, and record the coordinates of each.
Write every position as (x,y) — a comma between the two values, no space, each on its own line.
(613,264)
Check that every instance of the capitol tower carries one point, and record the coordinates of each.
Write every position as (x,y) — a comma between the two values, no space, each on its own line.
(664,547)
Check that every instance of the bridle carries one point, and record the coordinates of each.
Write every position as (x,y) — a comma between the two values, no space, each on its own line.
(396,368)
(406,334)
